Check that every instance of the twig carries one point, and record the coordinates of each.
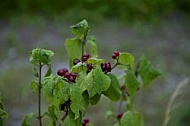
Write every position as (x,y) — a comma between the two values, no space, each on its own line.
(39,94)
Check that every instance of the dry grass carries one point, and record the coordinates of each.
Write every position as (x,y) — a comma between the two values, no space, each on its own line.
(171,103)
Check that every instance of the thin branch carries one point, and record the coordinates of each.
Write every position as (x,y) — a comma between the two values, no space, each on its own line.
(39,94)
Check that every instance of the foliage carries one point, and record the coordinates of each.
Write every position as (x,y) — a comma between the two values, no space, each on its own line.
(3,113)
(71,91)
(126,10)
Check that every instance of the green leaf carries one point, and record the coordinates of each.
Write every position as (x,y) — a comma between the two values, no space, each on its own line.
(77,101)
(125,59)
(95,82)
(49,71)
(51,110)
(80,29)
(56,90)
(35,70)
(34,86)
(95,99)
(131,81)
(132,118)
(26,119)
(95,61)
(70,121)
(114,91)
(93,46)
(147,71)
(79,67)
(45,56)
(3,114)
(40,55)
(74,49)
(80,77)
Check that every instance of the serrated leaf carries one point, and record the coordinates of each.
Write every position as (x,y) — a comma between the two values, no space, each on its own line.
(125,59)
(26,119)
(132,118)
(95,82)
(114,91)
(77,101)
(80,29)
(95,61)
(93,46)
(74,49)
(147,71)
(131,81)
(95,99)
(34,86)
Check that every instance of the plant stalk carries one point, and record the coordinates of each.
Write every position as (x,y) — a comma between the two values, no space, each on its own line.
(39,94)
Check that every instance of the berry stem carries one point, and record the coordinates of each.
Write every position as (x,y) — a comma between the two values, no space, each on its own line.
(120,104)
(83,43)
(39,94)
(117,63)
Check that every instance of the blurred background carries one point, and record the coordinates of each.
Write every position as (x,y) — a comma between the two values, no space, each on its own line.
(160,29)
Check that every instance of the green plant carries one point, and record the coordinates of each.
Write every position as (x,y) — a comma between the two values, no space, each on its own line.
(3,113)
(88,78)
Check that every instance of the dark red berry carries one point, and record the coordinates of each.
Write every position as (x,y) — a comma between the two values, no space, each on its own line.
(75,61)
(89,66)
(67,75)
(108,66)
(62,71)
(119,115)
(84,59)
(114,56)
(103,66)
(74,75)
(85,121)
(116,53)
(86,55)
(71,79)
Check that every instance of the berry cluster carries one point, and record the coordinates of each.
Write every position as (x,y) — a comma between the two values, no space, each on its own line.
(71,77)
(115,54)
(106,67)
(85,121)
